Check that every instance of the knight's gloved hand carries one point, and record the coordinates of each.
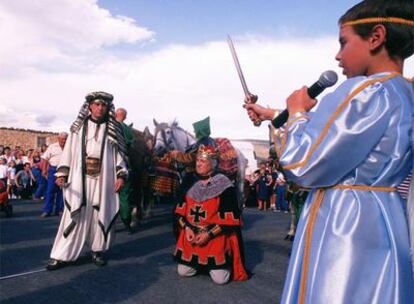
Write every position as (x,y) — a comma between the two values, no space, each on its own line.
(202,238)
(189,235)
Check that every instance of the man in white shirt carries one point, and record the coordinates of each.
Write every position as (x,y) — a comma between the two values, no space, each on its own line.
(54,196)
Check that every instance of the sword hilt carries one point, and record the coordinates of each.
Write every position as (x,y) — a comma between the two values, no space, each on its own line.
(253,99)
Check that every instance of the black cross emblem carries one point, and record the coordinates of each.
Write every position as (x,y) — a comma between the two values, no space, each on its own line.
(197,214)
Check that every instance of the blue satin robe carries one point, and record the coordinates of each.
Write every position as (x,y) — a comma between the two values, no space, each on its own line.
(352,244)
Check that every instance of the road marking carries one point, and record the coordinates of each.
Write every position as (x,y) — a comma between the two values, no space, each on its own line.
(21,274)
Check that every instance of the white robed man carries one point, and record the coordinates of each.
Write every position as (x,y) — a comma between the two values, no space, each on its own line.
(92,171)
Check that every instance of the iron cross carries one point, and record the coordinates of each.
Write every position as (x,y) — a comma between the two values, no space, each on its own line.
(197,214)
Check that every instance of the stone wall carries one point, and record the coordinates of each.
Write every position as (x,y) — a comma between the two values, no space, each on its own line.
(26,139)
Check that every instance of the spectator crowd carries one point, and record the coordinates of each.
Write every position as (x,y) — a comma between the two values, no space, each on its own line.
(22,171)
(266,188)
(30,174)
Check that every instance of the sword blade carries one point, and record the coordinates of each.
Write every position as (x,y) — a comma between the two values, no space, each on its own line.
(238,67)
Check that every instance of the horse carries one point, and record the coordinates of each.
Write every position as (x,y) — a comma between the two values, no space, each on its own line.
(170,136)
(166,176)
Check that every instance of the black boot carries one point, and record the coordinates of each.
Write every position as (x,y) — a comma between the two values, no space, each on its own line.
(98,258)
(54,264)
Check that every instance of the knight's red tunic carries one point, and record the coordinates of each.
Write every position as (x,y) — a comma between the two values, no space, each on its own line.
(204,208)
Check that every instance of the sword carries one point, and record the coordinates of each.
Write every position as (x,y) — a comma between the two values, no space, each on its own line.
(256,122)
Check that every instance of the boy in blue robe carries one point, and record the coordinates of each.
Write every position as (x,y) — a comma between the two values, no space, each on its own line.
(352,244)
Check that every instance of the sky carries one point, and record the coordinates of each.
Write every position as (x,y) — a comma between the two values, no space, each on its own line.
(161,59)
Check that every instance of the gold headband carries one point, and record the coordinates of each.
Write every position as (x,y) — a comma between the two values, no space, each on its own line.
(380,20)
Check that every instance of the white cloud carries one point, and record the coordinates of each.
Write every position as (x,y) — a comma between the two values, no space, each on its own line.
(20,118)
(183,82)
(187,83)
(64,34)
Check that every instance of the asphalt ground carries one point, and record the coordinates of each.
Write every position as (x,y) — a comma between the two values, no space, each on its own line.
(140,267)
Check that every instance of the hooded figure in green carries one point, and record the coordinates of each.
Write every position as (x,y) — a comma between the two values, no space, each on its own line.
(126,195)
(202,132)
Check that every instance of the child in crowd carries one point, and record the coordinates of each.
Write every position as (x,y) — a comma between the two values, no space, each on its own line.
(24,180)
(11,183)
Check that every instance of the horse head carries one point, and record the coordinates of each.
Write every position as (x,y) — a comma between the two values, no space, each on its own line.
(170,137)
(149,138)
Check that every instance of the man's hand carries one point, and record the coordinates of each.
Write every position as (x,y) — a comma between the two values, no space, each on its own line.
(257,112)
(189,235)
(202,238)
(60,181)
(174,153)
(120,182)
(299,101)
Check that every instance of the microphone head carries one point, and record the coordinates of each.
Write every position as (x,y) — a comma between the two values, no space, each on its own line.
(328,79)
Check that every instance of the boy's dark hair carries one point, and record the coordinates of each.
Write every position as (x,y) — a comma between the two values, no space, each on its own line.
(400,37)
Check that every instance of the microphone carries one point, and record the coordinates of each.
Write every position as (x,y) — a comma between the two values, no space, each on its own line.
(327,79)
